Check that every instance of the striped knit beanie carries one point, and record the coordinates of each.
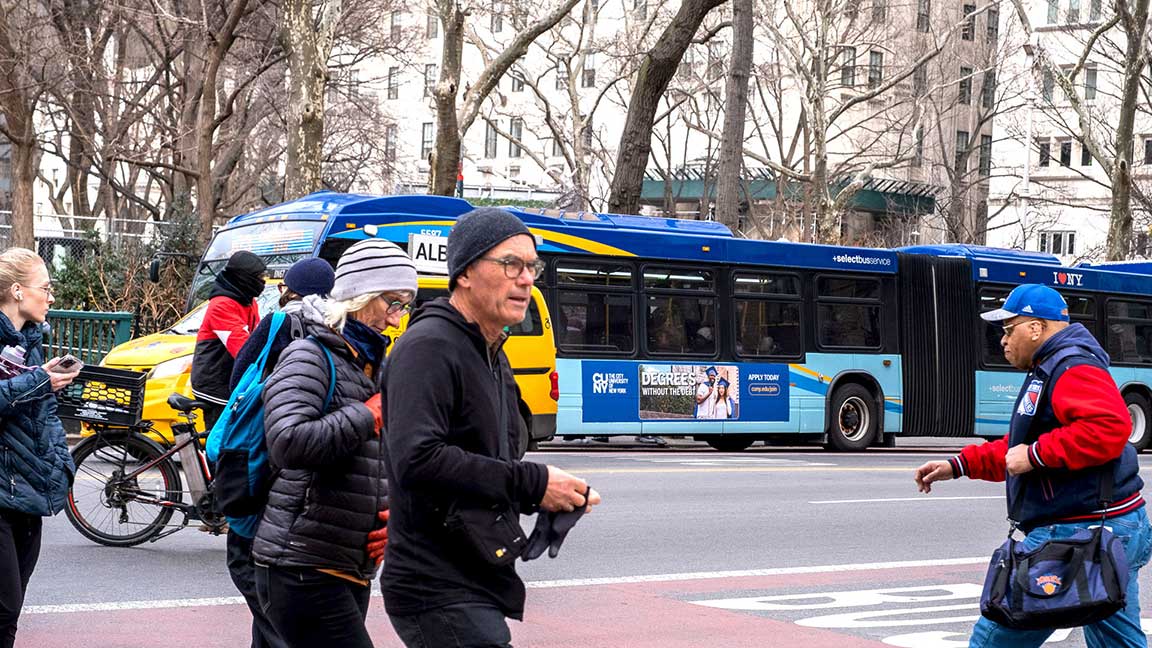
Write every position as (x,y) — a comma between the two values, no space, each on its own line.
(373,266)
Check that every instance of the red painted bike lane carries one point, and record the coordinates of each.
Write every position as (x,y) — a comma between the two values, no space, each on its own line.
(666,611)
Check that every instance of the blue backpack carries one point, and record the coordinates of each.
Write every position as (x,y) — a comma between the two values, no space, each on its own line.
(236,446)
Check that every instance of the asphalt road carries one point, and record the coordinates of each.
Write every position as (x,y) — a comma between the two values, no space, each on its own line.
(690,548)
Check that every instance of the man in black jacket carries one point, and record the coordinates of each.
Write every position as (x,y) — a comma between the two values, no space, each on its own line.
(452,419)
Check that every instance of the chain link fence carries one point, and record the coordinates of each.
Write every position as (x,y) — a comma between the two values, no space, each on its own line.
(100,265)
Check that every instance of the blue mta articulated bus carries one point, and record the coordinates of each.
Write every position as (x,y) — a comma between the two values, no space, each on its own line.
(677,328)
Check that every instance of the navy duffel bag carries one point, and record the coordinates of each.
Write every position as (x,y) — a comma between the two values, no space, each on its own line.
(1061,584)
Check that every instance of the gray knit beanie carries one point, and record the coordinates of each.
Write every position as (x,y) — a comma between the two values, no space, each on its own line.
(475,233)
(373,266)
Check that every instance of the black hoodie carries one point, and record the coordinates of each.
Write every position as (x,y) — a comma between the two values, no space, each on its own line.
(441,434)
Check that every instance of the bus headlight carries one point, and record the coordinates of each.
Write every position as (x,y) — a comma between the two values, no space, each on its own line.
(173,367)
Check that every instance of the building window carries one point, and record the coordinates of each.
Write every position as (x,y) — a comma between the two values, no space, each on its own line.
(1148,151)
(1045,153)
(1074,12)
(496,21)
(393,83)
(968,30)
(1095,8)
(517,81)
(426,134)
(490,136)
(988,90)
(641,9)
(993,25)
(848,67)
(432,27)
(1066,153)
(920,81)
(429,79)
(516,130)
(875,69)
(395,32)
(1058,242)
(1053,11)
(561,76)
(390,134)
(918,154)
(965,85)
(879,10)
(1141,244)
(586,133)
(923,20)
(1089,82)
(1048,85)
(985,155)
(1085,156)
(851,9)
(588,78)
(514,172)
(961,152)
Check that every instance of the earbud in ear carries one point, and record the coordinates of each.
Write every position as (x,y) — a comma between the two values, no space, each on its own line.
(19,295)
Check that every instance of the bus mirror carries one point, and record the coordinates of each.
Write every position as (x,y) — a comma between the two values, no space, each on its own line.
(154,270)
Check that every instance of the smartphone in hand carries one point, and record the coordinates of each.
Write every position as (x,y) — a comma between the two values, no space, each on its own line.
(67,364)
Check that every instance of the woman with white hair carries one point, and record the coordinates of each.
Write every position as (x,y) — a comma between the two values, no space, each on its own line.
(313,567)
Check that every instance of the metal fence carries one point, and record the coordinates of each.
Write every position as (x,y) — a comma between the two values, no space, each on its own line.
(87,335)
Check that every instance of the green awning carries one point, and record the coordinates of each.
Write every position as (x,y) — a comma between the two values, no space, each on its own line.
(878,195)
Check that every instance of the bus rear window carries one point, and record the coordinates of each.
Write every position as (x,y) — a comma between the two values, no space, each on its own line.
(848,288)
(1129,331)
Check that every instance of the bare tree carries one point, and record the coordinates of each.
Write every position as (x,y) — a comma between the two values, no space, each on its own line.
(1111,147)
(652,79)
(736,103)
(25,55)
(308,37)
(453,121)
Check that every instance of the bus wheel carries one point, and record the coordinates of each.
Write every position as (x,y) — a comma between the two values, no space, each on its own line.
(854,419)
(730,443)
(1141,412)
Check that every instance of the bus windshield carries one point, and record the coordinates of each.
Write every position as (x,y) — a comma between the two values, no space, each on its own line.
(278,243)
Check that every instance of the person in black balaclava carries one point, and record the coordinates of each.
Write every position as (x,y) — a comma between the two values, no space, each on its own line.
(231,317)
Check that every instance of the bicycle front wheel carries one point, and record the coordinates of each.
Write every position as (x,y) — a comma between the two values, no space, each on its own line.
(123,489)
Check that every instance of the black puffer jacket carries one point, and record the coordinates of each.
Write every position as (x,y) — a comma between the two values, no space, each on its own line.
(329,467)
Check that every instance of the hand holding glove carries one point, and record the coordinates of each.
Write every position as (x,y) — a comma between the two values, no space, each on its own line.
(373,404)
(378,539)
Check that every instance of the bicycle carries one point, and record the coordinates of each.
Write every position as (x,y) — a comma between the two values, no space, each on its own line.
(128,486)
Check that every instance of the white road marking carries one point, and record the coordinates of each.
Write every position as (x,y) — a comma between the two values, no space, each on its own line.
(545,584)
(930,498)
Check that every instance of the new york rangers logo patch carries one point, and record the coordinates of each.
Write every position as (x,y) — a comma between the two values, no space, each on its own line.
(1031,395)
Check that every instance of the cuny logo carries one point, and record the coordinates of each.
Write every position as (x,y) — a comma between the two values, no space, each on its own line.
(608,383)
(1068,278)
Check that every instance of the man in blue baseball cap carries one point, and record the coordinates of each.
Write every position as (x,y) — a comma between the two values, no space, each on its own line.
(1069,429)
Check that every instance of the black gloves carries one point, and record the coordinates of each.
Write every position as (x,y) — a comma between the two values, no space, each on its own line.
(551,529)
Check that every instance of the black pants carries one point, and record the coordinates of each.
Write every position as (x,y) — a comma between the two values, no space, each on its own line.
(311,609)
(19,551)
(243,573)
(463,625)
(212,411)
